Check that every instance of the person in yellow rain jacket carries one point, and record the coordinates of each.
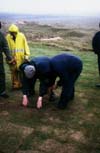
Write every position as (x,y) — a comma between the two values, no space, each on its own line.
(20,52)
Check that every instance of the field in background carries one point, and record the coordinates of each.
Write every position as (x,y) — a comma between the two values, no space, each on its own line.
(66,32)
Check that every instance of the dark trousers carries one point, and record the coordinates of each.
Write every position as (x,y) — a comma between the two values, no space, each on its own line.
(98,56)
(2,78)
(68,87)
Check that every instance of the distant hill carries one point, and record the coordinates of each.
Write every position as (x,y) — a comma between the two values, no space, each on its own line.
(56,20)
(65,32)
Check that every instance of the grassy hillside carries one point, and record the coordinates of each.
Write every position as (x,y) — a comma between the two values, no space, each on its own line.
(66,38)
(49,130)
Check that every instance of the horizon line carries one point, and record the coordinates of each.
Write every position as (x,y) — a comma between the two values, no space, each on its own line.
(51,14)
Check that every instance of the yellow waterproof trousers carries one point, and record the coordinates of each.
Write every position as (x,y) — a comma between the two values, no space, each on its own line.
(15,77)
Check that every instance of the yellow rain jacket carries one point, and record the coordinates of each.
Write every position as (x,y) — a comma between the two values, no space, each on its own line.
(19,48)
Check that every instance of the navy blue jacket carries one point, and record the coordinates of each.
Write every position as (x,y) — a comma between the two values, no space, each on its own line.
(64,63)
(43,72)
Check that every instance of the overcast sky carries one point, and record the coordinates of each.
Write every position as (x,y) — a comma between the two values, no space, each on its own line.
(66,7)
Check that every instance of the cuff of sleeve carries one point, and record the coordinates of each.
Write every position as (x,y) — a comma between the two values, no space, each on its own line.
(24,96)
(40,98)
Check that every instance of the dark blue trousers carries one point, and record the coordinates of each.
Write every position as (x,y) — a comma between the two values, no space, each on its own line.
(68,86)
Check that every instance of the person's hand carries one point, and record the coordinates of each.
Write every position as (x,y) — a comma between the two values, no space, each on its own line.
(53,87)
(25,101)
(39,103)
(12,61)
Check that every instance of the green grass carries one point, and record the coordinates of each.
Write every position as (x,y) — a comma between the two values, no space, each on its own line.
(49,130)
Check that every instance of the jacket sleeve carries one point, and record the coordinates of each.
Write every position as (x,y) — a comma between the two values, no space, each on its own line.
(43,87)
(6,48)
(45,83)
(27,50)
(28,85)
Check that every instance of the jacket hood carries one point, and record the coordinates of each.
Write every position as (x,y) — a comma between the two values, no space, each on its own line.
(13,28)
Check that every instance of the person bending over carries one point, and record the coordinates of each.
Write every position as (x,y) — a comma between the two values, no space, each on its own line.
(36,68)
(68,68)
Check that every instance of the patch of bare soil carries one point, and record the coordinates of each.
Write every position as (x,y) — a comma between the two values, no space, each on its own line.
(28,151)
(77,136)
(9,105)
(12,136)
(24,131)
(52,146)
